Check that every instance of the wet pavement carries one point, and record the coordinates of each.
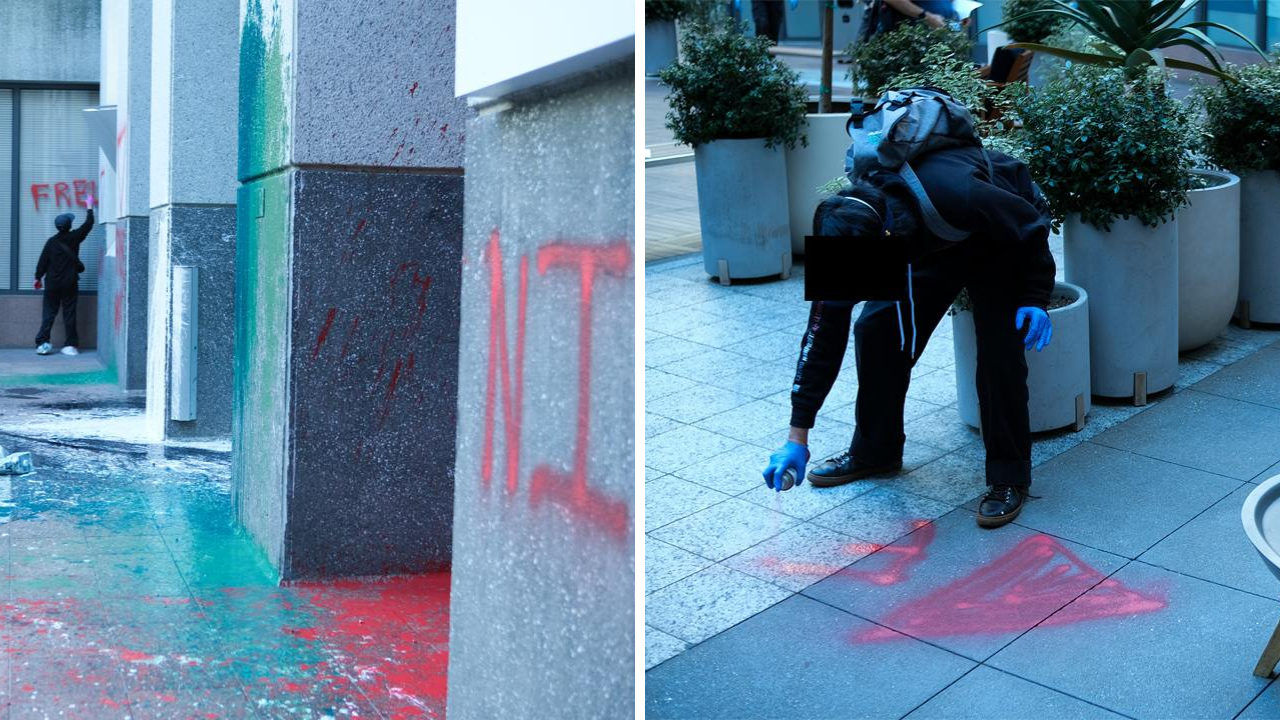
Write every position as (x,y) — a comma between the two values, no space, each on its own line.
(128,590)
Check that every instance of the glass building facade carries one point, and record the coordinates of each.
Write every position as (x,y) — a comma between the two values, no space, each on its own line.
(48,166)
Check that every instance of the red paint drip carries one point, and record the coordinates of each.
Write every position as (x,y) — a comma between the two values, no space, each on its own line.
(324,332)
(498,349)
(413,89)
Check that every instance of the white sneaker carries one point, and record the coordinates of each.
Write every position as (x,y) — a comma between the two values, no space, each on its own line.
(70,350)
(44,349)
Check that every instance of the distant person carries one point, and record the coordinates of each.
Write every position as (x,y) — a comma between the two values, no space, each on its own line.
(60,267)
(769,18)
(883,16)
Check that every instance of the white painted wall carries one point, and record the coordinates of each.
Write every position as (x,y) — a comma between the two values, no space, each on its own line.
(509,45)
(161,99)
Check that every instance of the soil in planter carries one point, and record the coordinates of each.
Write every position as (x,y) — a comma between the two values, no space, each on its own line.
(961,303)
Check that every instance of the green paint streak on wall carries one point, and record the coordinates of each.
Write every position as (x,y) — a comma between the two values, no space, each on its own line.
(260,403)
(266,72)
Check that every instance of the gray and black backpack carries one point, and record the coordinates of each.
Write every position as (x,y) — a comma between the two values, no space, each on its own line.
(906,124)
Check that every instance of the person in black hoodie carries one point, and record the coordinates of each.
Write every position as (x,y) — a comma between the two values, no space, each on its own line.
(1008,270)
(60,267)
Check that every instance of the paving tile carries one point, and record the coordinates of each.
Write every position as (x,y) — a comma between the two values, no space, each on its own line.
(826,439)
(733,472)
(679,321)
(799,557)
(748,307)
(962,588)
(882,515)
(1092,494)
(657,424)
(1049,446)
(755,422)
(942,429)
(759,379)
(722,333)
(953,479)
(711,365)
(709,602)
(796,660)
(1151,644)
(659,384)
(1214,547)
(805,501)
(775,345)
(1267,474)
(660,647)
(937,387)
(976,695)
(1255,337)
(724,529)
(220,703)
(940,353)
(684,446)
(1265,707)
(697,403)
(1104,416)
(671,498)
(1255,379)
(666,350)
(1215,434)
(651,474)
(666,564)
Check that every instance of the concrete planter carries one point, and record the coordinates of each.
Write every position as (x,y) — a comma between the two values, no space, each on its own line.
(659,45)
(1057,377)
(742,208)
(1260,247)
(813,166)
(1131,275)
(1208,260)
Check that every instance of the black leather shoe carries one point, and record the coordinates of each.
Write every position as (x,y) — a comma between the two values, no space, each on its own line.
(1001,505)
(843,469)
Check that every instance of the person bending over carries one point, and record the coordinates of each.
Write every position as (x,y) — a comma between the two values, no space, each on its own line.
(1007,267)
(60,268)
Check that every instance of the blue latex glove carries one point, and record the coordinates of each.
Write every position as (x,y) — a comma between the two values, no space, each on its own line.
(793,455)
(1039,327)
(794,3)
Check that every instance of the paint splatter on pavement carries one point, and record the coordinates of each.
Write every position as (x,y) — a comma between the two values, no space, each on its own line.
(128,592)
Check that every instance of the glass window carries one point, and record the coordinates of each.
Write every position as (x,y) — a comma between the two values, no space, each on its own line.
(1240,15)
(1273,23)
(6,187)
(59,171)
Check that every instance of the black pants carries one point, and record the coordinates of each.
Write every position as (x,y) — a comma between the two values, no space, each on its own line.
(768,17)
(66,298)
(884,371)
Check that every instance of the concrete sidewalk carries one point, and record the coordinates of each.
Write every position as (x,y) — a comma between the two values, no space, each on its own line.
(127,590)
(1128,589)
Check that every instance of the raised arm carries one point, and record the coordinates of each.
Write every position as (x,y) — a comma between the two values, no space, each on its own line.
(79,234)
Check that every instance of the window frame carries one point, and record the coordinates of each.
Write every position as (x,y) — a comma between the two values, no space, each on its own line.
(17,86)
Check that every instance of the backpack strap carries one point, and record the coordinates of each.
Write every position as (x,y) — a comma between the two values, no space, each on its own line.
(932,218)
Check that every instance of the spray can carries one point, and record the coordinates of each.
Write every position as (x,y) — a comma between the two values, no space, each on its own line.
(788,479)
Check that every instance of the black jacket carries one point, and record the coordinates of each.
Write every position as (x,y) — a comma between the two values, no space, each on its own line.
(1008,212)
(60,262)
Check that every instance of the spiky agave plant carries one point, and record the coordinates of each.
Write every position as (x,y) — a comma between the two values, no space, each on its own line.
(1134,35)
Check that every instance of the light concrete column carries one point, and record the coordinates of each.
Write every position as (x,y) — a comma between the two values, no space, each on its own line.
(544,557)
(195,81)
(122,278)
(349,232)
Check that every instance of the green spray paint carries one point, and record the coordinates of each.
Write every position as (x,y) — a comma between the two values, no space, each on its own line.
(87,377)
(266,80)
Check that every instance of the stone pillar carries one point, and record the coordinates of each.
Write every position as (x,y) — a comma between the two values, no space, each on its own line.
(193,212)
(544,557)
(122,277)
(349,233)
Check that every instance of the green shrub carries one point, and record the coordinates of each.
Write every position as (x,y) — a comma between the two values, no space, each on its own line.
(728,86)
(1242,119)
(1104,148)
(1032,29)
(900,52)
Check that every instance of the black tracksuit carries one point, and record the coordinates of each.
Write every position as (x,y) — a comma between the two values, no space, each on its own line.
(60,267)
(1005,264)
